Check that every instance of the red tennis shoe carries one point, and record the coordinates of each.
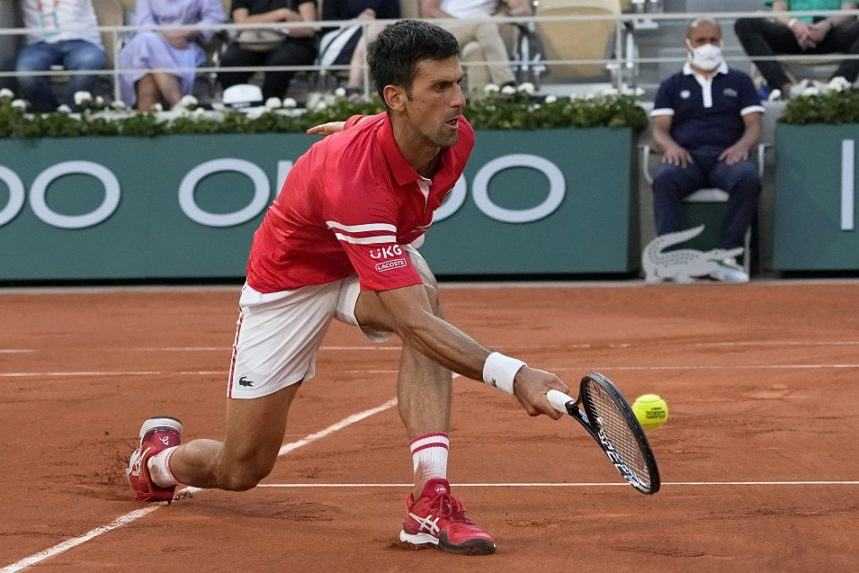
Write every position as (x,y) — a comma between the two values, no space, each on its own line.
(437,519)
(156,435)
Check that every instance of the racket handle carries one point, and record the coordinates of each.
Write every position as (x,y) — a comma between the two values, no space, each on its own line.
(558,400)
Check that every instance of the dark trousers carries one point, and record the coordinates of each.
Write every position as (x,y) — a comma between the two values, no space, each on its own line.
(762,38)
(671,184)
(7,64)
(73,55)
(290,53)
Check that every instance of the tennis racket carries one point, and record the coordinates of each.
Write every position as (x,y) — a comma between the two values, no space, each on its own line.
(602,410)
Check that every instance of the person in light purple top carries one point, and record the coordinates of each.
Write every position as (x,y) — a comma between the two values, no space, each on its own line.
(176,50)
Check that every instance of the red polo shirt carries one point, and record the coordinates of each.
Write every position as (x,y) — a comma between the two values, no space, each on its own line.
(347,206)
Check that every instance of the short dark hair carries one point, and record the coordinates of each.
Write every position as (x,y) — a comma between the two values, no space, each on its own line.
(395,54)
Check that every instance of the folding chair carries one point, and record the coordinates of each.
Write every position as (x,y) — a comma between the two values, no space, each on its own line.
(712,197)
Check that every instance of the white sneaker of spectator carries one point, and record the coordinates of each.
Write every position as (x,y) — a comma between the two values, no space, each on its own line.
(729,271)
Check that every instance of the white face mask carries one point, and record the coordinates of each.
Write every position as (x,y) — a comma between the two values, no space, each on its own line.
(707,57)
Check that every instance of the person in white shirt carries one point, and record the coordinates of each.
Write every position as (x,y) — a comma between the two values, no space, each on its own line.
(61,32)
(486,34)
(7,46)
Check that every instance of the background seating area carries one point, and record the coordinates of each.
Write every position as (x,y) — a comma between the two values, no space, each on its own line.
(644,38)
(650,48)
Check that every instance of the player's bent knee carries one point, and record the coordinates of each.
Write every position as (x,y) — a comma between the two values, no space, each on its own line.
(244,477)
(245,469)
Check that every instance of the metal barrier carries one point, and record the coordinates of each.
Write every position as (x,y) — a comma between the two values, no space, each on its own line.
(624,62)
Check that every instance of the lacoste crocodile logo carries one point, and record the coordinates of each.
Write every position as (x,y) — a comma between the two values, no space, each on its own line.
(682,264)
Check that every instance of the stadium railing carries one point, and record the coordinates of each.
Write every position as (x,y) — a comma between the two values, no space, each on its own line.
(622,63)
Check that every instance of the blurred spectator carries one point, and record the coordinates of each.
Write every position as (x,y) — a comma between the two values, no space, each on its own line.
(8,47)
(176,50)
(707,119)
(293,47)
(347,45)
(7,64)
(762,38)
(62,32)
(486,34)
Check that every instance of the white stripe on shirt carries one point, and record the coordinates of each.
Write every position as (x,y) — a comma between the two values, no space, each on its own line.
(753,109)
(361,228)
(366,240)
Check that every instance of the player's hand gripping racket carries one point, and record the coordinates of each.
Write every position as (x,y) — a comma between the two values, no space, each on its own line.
(607,417)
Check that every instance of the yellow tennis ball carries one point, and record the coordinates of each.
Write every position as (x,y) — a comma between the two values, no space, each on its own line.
(650,410)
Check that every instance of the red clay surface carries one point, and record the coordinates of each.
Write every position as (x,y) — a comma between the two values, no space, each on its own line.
(760,379)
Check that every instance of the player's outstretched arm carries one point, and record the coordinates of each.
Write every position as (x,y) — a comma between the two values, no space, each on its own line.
(416,324)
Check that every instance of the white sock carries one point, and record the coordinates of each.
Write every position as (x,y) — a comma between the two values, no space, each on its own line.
(159,468)
(429,456)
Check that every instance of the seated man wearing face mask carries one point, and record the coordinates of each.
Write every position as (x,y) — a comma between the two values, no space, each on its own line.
(706,120)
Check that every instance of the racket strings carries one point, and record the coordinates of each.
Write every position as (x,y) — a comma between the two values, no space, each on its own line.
(613,422)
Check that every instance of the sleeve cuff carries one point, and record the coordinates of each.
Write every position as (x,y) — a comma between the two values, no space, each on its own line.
(661,111)
(753,109)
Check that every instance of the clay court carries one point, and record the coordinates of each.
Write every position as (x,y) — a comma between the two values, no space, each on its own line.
(759,458)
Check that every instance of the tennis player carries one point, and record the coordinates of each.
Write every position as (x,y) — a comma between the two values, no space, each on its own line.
(339,242)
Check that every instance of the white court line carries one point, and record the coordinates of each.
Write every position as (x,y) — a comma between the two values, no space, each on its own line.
(776,343)
(227,348)
(512,347)
(114,373)
(96,374)
(362,348)
(590,367)
(75,541)
(77,373)
(139,513)
(724,367)
(556,484)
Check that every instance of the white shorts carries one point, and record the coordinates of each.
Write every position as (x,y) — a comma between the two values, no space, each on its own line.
(278,334)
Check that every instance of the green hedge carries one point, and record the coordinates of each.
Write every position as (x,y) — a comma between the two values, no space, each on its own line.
(494,111)
(834,107)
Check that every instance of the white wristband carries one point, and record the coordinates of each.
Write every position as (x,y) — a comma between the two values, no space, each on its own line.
(792,22)
(500,370)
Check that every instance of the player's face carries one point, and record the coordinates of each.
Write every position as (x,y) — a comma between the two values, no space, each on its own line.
(436,101)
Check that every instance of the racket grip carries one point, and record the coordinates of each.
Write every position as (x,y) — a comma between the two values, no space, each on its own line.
(558,400)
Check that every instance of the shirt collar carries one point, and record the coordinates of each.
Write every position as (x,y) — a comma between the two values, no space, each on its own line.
(688,71)
(403,171)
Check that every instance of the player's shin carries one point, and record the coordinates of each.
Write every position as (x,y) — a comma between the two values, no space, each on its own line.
(424,395)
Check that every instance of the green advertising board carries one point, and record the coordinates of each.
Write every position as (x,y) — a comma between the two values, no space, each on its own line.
(814,225)
(554,201)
